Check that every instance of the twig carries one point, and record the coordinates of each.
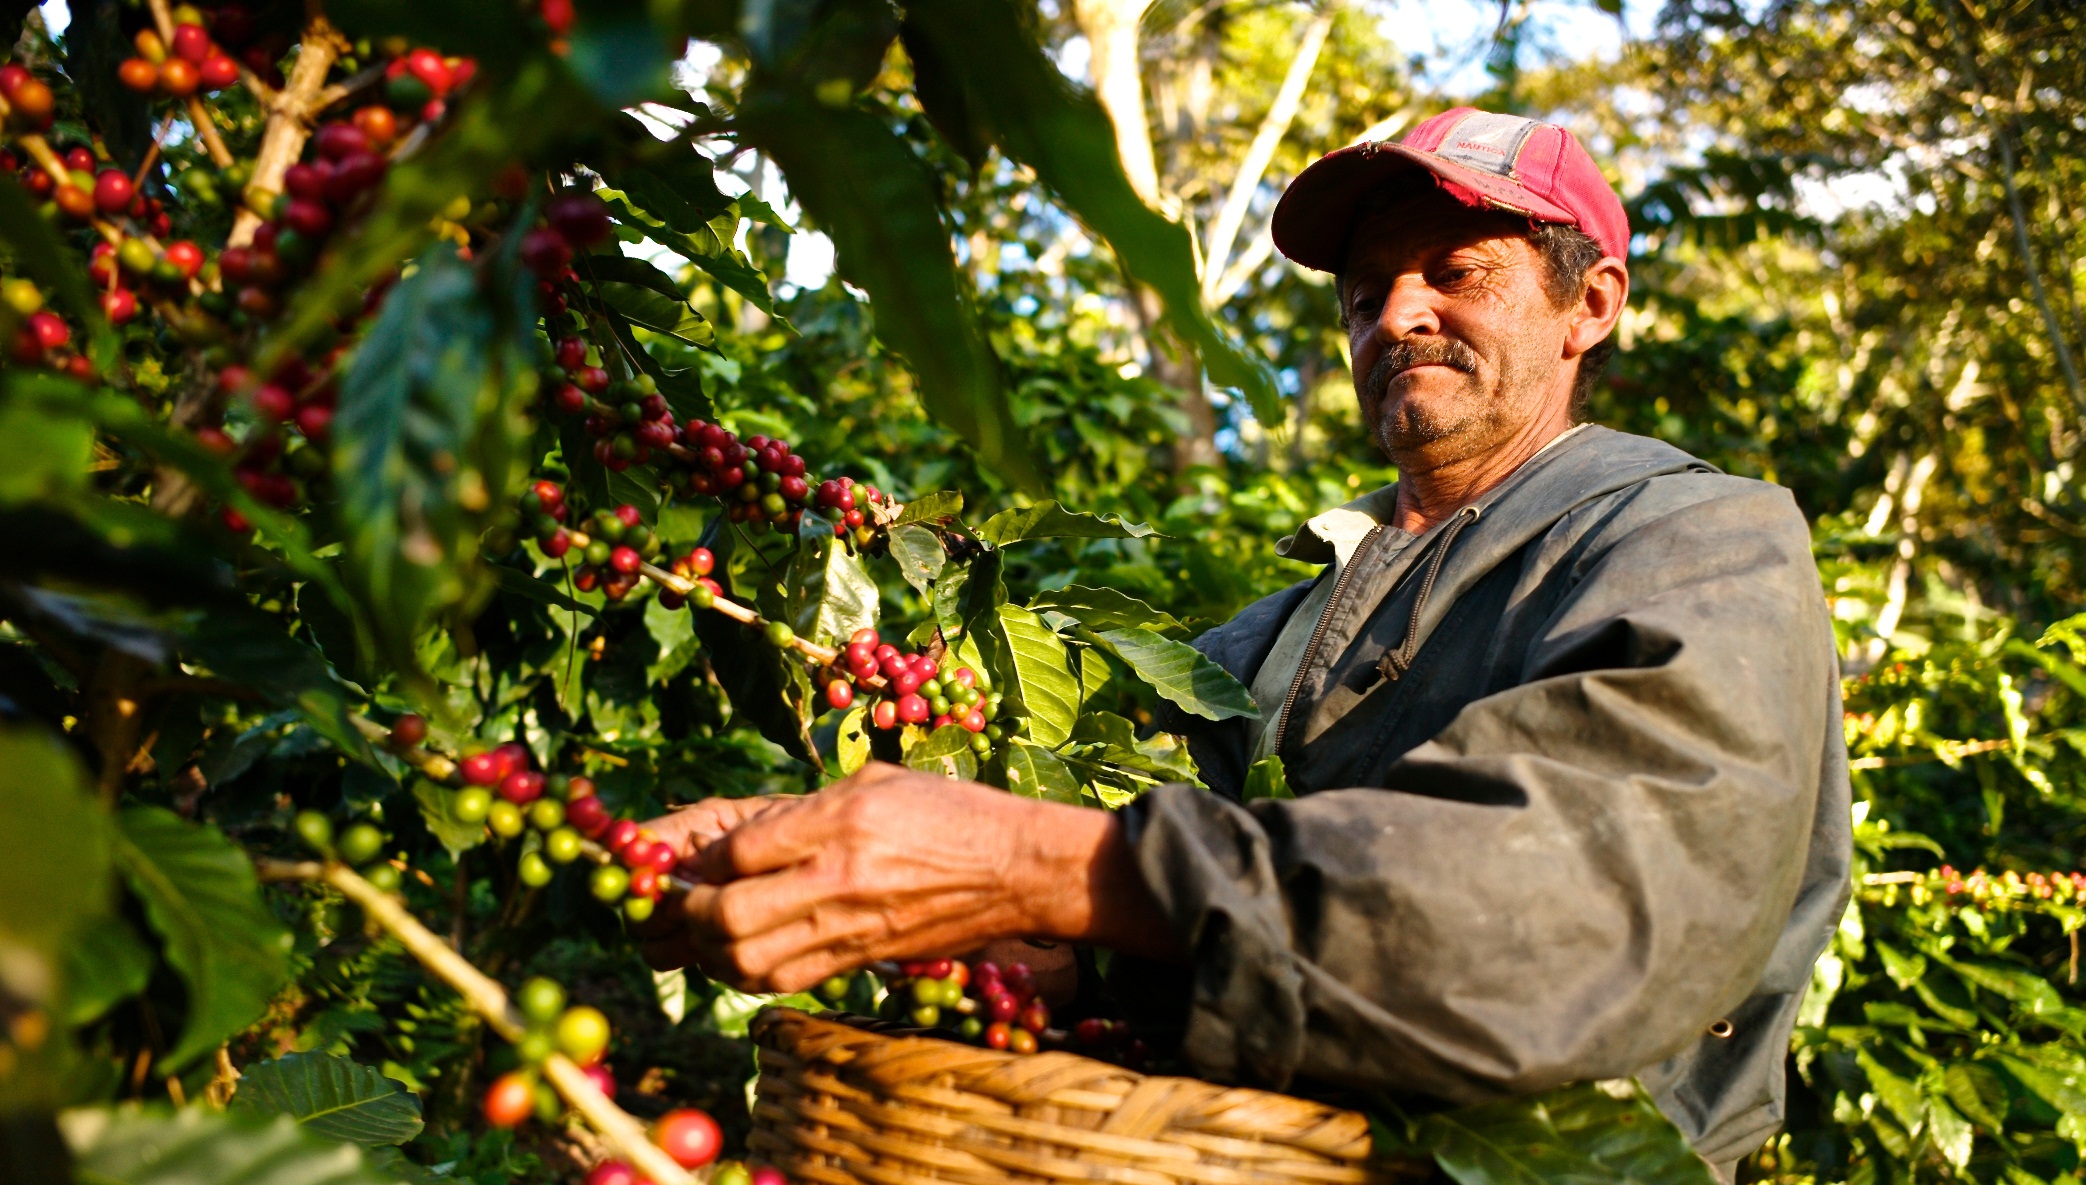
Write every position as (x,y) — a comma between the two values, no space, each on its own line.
(289,125)
(1944,751)
(151,158)
(487,998)
(198,113)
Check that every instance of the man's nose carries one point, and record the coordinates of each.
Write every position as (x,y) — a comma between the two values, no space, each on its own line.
(1409,309)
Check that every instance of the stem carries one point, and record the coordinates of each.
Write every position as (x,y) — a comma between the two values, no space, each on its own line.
(486,997)
(289,125)
(198,114)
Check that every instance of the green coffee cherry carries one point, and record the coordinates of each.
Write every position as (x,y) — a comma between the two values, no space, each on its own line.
(562,846)
(541,1000)
(472,804)
(637,909)
(609,883)
(315,829)
(546,814)
(383,877)
(505,819)
(533,871)
(361,843)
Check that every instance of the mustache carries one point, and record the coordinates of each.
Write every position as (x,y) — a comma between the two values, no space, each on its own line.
(1424,351)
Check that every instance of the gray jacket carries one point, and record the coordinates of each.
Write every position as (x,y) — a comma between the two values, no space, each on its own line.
(1572,803)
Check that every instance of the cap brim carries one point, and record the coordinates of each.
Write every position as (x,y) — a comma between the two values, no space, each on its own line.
(1315,218)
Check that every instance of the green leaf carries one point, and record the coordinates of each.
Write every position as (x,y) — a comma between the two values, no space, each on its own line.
(1061,132)
(945,751)
(1049,520)
(438,810)
(427,441)
(1033,771)
(1043,681)
(1898,1093)
(1105,608)
(1978,1093)
(1178,672)
(920,557)
(54,898)
(830,591)
(41,455)
(671,315)
(851,741)
(333,1096)
(106,964)
(197,1146)
(250,648)
(1267,779)
(702,246)
(2063,1090)
(616,267)
(1581,1134)
(865,187)
(969,591)
(766,688)
(543,592)
(2029,991)
(940,506)
(202,898)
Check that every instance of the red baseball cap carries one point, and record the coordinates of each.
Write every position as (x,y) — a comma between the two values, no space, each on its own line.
(1485,160)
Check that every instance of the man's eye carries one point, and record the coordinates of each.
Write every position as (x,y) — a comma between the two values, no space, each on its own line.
(1451,276)
(1366,305)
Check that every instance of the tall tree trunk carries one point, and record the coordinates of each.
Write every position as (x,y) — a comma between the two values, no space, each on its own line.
(1110,28)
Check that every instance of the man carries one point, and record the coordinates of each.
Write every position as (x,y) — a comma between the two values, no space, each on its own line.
(1562,716)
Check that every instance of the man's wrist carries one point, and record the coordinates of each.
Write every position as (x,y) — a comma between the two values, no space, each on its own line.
(1084,885)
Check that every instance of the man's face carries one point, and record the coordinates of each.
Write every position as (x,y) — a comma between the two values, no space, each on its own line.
(1456,343)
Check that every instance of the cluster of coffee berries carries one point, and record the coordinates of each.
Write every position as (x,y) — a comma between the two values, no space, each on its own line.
(43,338)
(917,691)
(82,186)
(30,103)
(988,1005)
(580,1032)
(276,467)
(121,268)
(575,220)
(361,847)
(342,165)
(191,61)
(2010,887)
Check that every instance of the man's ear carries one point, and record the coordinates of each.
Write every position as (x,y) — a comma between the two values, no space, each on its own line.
(1602,296)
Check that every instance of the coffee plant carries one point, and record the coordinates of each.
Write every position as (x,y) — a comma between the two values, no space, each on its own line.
(409,487)
(356,436)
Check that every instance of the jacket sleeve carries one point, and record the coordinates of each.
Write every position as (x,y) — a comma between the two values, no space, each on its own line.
(1571,880)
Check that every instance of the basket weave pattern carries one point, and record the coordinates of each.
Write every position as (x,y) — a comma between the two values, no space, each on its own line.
(840,1105)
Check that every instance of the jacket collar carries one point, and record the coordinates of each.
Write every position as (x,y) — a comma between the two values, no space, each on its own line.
(1334,534)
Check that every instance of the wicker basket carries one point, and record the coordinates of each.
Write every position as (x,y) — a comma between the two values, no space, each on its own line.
(841,1105)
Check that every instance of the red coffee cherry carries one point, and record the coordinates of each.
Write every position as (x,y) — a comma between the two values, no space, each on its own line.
(690,1136)
(522,787)
(481,769)
(408,730)
(840,694)
(510,1100)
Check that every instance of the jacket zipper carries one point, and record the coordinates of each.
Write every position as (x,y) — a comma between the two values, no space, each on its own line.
(1395,663)
(1318,632)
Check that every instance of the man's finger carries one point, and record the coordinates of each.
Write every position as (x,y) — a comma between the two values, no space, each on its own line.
(769,841)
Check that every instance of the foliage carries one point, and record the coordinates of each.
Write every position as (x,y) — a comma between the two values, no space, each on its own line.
(1901,368)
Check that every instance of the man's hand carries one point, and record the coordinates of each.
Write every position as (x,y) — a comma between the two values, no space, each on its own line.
(891,863)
